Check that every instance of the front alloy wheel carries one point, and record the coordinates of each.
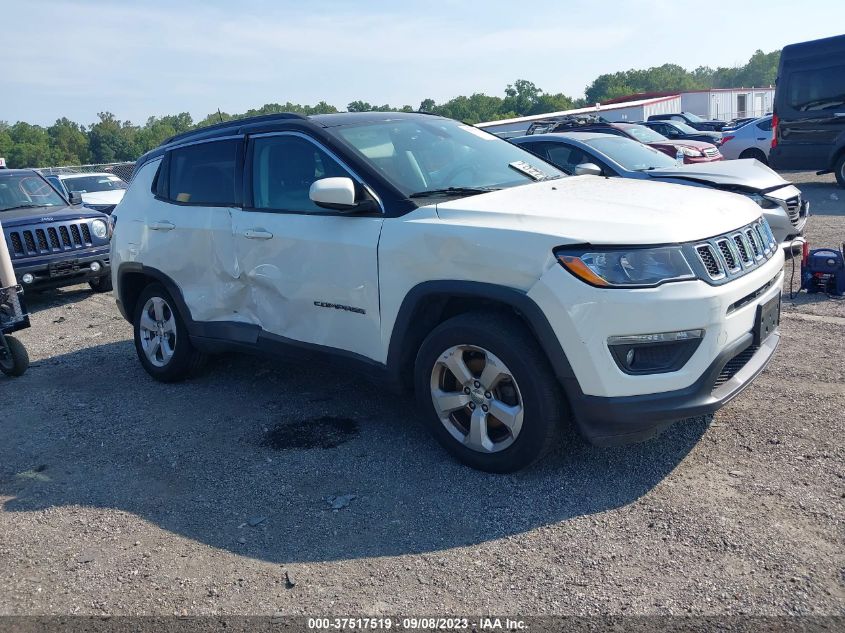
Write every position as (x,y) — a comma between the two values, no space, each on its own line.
(490,395)
(477,398)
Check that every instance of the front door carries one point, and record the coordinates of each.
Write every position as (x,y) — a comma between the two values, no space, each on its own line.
(311,273)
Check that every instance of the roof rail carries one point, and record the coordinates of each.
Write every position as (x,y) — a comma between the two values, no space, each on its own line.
(231,123)
(567,122)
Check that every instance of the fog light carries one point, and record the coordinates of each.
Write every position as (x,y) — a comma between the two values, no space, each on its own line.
(27,278)
(654,353)
(95,267)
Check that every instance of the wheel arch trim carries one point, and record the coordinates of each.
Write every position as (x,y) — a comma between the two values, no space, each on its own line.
(425,292)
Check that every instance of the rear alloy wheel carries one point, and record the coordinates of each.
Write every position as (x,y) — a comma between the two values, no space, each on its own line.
(161,338)
(101,284)
(839,170)
(14,359)
(491,398)
(755,153)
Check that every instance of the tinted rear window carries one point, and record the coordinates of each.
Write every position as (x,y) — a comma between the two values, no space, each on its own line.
(204,173)
(816,88)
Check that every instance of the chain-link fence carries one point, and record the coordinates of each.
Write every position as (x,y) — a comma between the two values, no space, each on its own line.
(121,170)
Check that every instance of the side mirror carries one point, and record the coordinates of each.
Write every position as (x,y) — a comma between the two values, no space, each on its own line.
(333,193)
(588,169)
(75,197)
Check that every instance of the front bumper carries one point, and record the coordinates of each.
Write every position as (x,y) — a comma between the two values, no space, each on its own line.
(48,272)
(627,419)
(611,406)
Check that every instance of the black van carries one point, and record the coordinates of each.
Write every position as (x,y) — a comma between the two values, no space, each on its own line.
(809,110)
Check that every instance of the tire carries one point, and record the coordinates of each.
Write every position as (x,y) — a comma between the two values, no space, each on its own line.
(17,361)
(755,153)
(479,339)
(101,284)
(175,358)
(839,170)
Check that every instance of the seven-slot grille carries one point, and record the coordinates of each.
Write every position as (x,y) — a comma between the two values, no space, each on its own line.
(738,251)
(793,209)
(66,237)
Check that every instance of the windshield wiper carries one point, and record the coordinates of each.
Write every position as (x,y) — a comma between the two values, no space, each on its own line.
(456,191)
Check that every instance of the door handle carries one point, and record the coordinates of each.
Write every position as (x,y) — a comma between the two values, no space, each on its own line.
(163,225)
(839,114)
(255,234)
(762,138)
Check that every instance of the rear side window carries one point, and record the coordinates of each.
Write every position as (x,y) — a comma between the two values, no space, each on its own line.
(202,174)
(766,125)
(816,89)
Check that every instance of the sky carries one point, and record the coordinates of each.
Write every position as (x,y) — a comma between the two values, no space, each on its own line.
(140,59)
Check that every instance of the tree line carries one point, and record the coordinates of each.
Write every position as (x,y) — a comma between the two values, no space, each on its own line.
(112,140)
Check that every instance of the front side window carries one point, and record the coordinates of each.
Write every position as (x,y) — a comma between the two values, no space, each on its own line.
(420,157)
(632,155)
(204,174)
(23,190)
(817,89)
(283,170)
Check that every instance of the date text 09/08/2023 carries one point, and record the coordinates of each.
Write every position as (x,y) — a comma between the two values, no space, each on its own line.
(416,624)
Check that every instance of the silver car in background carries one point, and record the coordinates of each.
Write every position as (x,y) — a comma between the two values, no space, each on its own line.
(752,140)
(615,156)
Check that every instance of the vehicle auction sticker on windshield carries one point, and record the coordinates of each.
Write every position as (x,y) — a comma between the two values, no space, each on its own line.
(528,170)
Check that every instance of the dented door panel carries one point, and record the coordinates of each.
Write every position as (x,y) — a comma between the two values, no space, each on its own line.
(193,245)
(311,278)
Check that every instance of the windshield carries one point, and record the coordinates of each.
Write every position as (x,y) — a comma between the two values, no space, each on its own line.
(22,190)
(645,134)
(432,155)
(683,127)
(631,155)
(87,184)
(693,117)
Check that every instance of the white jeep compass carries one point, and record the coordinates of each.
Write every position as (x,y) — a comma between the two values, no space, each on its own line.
(443,259)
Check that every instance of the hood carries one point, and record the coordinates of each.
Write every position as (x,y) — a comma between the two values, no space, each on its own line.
(103,197)
(597,210)
(47,215)
(746,173)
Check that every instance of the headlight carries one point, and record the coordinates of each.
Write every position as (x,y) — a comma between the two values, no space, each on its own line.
(689,151)
(626,267)
(764,202)
(99,228)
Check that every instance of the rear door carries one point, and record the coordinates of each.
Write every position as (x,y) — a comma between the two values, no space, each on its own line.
(810,111)
(186,231)
(762,134)
(311,273)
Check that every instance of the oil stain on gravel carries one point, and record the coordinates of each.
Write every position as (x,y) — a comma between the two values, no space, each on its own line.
(323,432)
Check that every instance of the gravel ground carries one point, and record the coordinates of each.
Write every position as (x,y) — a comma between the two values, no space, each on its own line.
(260,487)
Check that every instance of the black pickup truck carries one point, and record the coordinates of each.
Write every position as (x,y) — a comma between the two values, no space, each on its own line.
(53,241)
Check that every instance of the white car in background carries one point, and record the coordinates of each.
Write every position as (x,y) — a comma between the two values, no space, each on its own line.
(100,191)
(752,140)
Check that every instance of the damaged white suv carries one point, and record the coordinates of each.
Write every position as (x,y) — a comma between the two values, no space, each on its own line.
(442,259)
